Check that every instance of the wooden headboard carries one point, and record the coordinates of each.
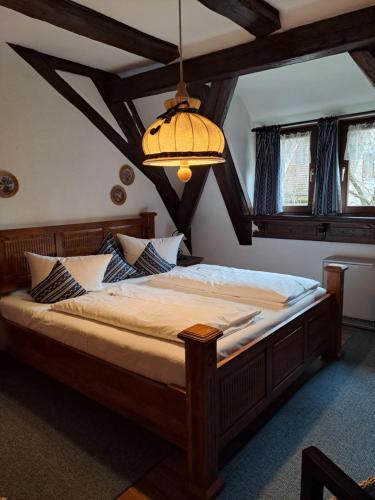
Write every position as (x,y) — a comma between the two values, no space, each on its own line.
(66,240)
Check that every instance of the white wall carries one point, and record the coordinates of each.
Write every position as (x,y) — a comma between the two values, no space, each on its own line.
(64,165)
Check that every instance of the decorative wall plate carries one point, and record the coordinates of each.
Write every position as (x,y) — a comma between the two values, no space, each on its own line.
(118,195)
(8,184)
(127,175)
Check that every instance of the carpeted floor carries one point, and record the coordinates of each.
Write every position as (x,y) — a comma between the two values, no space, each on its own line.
(334,411)
(55,444)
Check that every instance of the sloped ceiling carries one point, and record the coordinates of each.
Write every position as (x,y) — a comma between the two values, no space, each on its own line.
(203,30)
(331,85)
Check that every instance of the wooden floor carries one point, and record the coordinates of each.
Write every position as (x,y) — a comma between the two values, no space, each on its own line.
(166,480)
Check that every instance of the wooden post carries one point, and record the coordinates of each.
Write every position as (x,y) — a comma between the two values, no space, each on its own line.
(149,226)
(202,410)
(335,285)
(311,487)
(319,471)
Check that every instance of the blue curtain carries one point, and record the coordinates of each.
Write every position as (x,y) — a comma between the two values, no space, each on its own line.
(327,193)
(267,188)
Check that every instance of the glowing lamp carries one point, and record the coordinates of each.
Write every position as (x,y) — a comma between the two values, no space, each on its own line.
(181,137)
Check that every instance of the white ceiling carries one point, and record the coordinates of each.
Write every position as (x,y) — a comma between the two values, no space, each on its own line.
(203,30)
(331,85)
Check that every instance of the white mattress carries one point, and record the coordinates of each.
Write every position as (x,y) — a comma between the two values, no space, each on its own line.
(157,359)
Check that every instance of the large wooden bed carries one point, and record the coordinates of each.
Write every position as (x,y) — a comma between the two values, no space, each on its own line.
(220,398)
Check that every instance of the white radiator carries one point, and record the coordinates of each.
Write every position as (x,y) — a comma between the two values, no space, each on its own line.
(359,289)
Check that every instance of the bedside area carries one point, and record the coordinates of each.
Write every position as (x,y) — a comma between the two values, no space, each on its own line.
(188,260)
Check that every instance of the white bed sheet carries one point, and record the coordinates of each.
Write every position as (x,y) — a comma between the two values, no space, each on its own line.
(157,359)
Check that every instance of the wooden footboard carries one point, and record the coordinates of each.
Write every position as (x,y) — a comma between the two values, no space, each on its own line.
(252,378)
(223,398)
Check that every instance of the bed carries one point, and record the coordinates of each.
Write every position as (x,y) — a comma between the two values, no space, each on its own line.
(198,394)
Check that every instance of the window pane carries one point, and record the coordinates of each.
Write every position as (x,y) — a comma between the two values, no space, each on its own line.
(295,168)
(361,183)
(360,154)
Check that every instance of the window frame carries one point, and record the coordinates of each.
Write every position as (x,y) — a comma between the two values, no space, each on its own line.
(344,167)
(304,209)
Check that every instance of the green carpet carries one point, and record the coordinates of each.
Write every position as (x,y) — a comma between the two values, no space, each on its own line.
(334,411)
(57,444)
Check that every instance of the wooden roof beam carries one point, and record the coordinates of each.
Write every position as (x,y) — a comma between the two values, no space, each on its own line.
(365,60)
(351,31)
(255,16)
(86,22)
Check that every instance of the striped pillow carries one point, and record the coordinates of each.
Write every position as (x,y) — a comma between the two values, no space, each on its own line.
(151,262)
(58,285)
(118,269)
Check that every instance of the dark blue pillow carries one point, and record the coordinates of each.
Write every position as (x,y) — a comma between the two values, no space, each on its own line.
(58,285)
(151,262)
(118,269)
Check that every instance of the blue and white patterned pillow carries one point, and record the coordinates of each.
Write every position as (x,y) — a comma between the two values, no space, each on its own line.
(58,285)
(118,269)
(151,262)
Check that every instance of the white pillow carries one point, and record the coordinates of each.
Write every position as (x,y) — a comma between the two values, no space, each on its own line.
(166,247)
(88,270)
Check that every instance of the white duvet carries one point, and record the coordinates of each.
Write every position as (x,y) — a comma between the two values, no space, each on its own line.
(158,312)
(229,282)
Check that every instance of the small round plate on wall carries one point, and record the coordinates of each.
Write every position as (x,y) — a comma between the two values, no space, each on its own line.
(118,195)
(8,184)
(127,175)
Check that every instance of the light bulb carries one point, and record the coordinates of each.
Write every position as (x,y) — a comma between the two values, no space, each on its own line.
(184,173)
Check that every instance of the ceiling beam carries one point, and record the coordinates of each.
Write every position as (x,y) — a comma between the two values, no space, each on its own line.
(86,22)
(255,16)
(365,60)
(351,31)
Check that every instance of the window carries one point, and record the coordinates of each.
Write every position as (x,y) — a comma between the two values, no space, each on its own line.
(357,161)
(297,155)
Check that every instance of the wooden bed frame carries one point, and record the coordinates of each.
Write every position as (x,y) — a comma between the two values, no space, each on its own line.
(220,398)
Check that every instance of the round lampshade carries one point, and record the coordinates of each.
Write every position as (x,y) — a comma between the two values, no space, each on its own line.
(183,138)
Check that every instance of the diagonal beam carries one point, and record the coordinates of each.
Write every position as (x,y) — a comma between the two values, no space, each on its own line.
(365,60)
(123,117)
(41,64)
(215,109)
(234,198)
(216,101)
(86,22)
(256,16)
(351,31)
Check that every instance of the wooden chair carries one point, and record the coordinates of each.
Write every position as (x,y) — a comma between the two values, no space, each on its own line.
(318,471)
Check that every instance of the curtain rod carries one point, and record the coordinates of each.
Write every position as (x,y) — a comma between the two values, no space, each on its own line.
(310,122)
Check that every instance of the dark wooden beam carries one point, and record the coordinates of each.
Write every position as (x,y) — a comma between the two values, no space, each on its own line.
(256,16)
(365,60)
(128,148)
(124,119)
(351,31)
(234,198)
(215,104)
(57,63)
(86,22)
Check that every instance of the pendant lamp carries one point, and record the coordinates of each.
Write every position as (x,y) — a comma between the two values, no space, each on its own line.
(181,137)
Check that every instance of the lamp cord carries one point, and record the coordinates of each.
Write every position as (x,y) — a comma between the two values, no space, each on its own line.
(180,41)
